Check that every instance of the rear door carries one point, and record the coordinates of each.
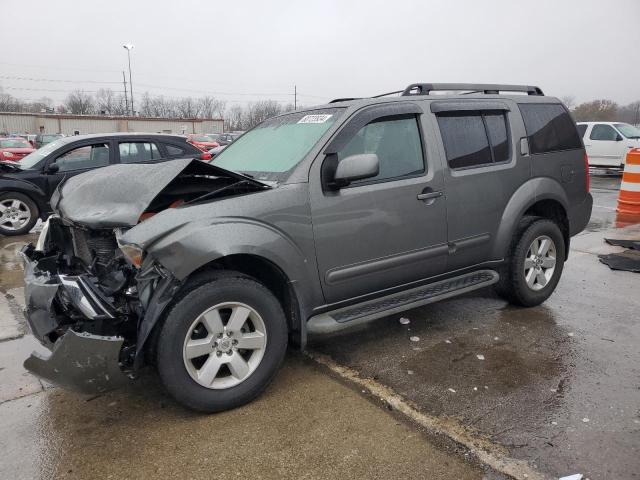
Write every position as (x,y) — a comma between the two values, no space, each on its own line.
(556,151)
(478,140)
(605,146)
(138,151)
(385,231)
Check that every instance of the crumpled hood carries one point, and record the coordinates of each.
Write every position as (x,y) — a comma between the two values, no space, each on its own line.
(118,194)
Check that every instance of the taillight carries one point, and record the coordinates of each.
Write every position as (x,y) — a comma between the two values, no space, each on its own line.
(205,156)
(586,172)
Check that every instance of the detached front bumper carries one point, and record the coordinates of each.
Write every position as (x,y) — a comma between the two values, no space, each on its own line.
(85,362)
(81,360)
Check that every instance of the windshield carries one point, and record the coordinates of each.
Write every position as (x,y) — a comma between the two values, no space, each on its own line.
(278,144)
(14,143)
(627,130)
(35,157)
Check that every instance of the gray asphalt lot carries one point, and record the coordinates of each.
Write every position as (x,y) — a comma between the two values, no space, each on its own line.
(557,386)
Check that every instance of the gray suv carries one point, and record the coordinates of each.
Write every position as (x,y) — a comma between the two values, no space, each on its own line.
(312,222)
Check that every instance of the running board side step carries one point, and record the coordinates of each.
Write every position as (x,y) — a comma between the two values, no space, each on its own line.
(346,317)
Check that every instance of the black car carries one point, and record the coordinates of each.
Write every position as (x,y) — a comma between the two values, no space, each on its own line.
(27,185)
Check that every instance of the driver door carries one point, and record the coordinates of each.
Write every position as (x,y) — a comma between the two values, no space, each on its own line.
(605,146)
(386,231)
(78,159)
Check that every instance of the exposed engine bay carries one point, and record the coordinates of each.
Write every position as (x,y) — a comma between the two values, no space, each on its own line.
(82,280)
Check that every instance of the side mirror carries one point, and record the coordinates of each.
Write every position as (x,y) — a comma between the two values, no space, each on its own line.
(356,167)
(53,168)
(618,137)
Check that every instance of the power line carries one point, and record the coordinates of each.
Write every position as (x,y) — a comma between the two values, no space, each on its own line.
(158,87)
(47,89)
(161,87)
(215,93)
(35,79)
(59,67)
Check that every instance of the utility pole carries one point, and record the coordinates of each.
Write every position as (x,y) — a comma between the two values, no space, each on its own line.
(126,99)
(128,47)
(295,97)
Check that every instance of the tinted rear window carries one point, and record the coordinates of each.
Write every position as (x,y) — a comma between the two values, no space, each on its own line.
(474,138)
(549,128)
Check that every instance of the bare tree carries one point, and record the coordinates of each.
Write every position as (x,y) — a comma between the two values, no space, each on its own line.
(110,102)
(187,107)
(597,110)
(79,103)
(9,103)
(219,108)
(257,112)
(569,101)
(630,113)
(233,119)
(205,106)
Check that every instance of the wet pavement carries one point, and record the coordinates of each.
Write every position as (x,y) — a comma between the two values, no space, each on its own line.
(308,424)
(557,385)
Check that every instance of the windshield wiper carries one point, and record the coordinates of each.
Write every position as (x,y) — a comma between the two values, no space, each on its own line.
(240,175)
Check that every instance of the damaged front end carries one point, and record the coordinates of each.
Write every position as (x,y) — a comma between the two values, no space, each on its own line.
(92,298)
(82,303)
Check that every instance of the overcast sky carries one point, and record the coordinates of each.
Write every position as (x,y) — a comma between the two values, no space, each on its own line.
(249,50)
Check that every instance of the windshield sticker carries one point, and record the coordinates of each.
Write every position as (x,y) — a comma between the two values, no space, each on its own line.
(315,118)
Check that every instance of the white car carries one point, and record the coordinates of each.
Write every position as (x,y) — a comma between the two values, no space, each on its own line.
(607,143)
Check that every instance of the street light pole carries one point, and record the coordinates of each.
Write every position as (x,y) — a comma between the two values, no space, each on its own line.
(128,47)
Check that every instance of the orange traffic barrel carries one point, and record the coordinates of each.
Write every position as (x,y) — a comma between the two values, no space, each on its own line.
(629,199)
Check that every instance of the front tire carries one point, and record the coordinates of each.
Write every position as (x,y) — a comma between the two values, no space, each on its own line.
(221,343)
(18,214)
(534,266)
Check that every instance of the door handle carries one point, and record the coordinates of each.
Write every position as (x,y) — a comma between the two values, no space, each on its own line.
(429,197)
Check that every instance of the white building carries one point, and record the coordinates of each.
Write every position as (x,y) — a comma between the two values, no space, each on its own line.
(80,124)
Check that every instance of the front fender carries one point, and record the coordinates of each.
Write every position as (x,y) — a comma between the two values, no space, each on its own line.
(26,188)
(534,190)
(197,243)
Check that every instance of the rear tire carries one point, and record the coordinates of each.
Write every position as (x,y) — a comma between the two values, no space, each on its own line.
(534,265)
(18,214)
(200,357)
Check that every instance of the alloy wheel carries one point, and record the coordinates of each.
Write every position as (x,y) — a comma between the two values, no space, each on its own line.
(14,214)
(224,345)
(540,262)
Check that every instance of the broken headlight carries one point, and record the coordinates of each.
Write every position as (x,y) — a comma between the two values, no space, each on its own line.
(42,238)
(41,243)
(132,252)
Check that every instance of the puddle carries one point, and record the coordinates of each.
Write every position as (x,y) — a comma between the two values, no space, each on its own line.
(10,261)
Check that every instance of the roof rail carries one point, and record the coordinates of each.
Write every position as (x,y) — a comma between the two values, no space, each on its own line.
(346,99)
(486,88)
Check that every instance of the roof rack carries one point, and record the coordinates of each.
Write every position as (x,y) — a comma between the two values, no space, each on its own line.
(486,88)
(427,88)
(346,99)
